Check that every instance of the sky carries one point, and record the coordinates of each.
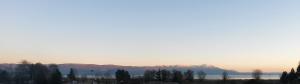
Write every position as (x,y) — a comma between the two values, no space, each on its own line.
(241,35)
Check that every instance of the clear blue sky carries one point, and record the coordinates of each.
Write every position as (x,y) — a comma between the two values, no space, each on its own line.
(234,34)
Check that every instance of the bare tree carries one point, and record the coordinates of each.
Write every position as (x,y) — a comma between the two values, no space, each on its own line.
(225,76)
(257,74)
(189,75)
(201,75)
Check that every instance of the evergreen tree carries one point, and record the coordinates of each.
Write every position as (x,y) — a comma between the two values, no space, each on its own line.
(158,75)
(72,75)
(40,74)
(165,75)
(4,77)
(56,77)
(149,75)
(298,71)
(292,75)
(177,76)
(122,76)
(23,73)
(283,78)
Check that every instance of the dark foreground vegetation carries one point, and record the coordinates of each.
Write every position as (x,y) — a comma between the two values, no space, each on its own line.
(29,73)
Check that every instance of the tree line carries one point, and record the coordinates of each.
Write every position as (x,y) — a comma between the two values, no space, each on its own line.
(169,76)
(28,73)
(38,73)
(291,77)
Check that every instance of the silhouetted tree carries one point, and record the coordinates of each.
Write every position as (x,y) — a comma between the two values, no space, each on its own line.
(298,71)
(177,76)
(122,76)
(4,77)
(257,74)
(55,76)
(201,75)
(165,75)
(158,75)
(225,76)
(72,75)
(292,75)
(23,73)
(283,78)
(189,75)
(40,74)
(149,75)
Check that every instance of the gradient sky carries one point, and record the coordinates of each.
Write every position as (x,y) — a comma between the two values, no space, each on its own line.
(234,34)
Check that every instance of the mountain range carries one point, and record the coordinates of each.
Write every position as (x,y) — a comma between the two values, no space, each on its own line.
(89,69)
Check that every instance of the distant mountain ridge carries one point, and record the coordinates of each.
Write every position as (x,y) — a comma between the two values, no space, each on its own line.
(139,70)
(88,69)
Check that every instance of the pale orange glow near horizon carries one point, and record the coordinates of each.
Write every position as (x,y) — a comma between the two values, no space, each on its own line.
(241,35)
(239,66)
